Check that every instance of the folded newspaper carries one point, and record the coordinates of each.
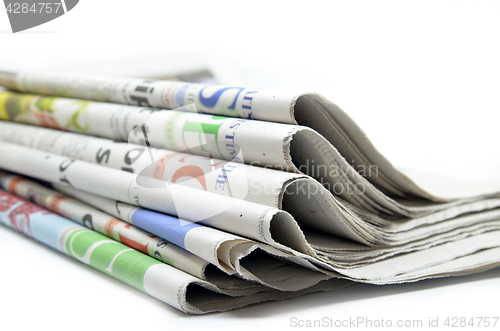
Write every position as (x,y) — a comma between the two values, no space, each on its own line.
(254,194)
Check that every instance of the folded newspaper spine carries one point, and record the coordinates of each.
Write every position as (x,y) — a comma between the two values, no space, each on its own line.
(231,101)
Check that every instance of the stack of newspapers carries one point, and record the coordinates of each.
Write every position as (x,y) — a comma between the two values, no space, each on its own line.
(211,198)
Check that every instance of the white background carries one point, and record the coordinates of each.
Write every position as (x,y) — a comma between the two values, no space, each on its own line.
(422,78)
